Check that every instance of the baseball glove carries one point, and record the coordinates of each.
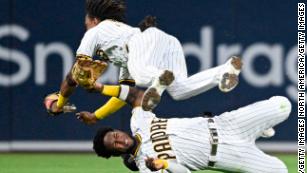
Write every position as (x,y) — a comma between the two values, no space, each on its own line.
(49,102)
(86,71)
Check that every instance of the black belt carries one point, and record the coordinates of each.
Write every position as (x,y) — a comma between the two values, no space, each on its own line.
(214,140)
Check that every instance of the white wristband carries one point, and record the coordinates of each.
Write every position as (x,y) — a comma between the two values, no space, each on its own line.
(124,91)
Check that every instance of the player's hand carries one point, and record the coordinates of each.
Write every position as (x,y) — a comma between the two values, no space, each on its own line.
(50,103)
(155,164)
(55,109)
(86,71)
(87,117)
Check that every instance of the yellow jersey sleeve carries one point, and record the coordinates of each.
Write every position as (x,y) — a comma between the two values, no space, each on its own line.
(113,105)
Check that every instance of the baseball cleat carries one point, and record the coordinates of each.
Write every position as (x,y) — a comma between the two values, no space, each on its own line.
(166,78)
(230,77)
(152,95)
(268,133)
(151,99)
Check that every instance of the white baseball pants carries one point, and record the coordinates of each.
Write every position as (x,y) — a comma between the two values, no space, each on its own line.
(153,51)
(238,130)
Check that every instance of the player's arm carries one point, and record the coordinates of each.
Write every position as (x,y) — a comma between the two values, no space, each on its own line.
(55,102)
(170,166)
(67,88)
(86,50)
(120,94)
(79,75)
(113,104)
(110,107)
(131,95)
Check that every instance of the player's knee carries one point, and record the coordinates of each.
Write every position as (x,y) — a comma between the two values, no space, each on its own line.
(284,105)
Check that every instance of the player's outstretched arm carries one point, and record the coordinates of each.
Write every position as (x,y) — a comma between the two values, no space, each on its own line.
(131,95)
(113,105)
(67,88)
(121,94)
(55,102)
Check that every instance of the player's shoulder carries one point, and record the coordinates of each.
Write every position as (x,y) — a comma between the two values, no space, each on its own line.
(114,24)
(140,119)
(138,111)
(92,32)
(102,29)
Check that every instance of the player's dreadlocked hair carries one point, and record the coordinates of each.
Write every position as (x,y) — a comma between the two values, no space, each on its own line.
(98,144)
(106,9)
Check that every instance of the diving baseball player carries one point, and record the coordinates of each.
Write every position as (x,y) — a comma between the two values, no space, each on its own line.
(151,58)
(180,145)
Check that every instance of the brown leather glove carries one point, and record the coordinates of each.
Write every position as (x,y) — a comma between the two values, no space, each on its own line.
(86,71)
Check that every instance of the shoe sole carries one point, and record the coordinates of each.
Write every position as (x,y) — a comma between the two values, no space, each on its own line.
(230,79)
(151,99)
(236,62)
(229,82)
(166,78)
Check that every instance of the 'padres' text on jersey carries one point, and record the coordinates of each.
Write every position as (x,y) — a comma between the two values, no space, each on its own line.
(188,139)
(185,140)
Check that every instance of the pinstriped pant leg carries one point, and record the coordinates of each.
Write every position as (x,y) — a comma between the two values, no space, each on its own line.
(184,88)
(245,157)
(257,161)
(238,131)
(144,52)
(249,122)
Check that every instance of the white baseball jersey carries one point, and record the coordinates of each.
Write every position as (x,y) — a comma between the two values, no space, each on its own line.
(111,37)
(143,56)
(187,140)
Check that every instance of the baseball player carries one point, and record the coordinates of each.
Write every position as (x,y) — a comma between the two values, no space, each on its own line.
(151,58)
(180,145)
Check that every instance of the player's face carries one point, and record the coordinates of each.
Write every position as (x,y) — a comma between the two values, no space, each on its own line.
(118,141)
(90,22)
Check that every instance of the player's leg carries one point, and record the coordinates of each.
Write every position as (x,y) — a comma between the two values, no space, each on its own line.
(147,64)
(225,76)
(153,52)
(254,160)
(250,121)
(184,87)
(152,95)
(247,158)
(144,56)
(173,60)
